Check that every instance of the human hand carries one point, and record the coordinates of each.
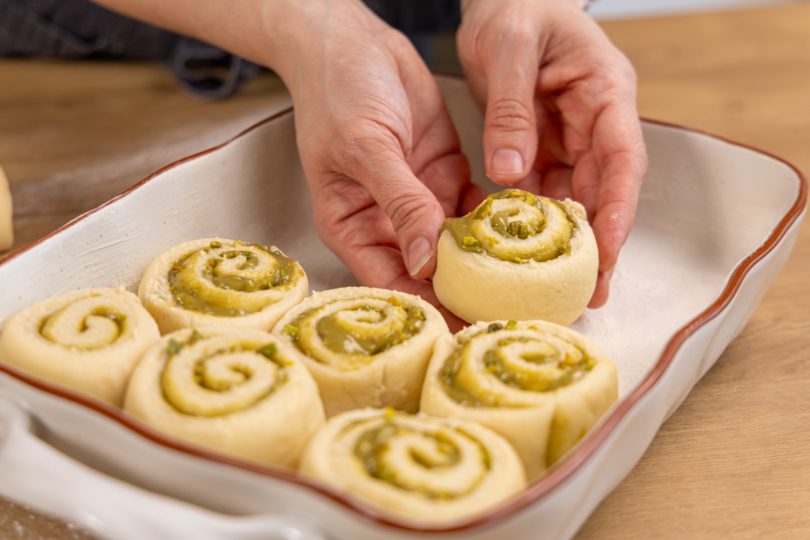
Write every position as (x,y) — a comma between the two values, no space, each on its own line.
(382,158)
(560,114)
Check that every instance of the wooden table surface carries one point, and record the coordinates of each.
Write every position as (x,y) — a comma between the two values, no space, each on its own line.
(734,460)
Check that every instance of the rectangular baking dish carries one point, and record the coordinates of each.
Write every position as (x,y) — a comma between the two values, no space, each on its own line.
(716,222)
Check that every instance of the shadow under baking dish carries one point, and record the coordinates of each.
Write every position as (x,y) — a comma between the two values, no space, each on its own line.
(716,222)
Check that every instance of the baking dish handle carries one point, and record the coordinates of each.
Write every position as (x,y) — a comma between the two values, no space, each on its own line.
(35,474)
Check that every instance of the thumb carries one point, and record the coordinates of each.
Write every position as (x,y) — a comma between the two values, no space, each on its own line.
(510,126)
(415,214)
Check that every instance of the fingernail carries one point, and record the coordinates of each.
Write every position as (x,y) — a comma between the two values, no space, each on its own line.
(418,255)
(507,162)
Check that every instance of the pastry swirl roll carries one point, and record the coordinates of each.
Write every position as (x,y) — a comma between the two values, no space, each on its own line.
(364,347)
(237,390)
(540,385)
(517,256)
(433,471)
(218,282)
(87,340)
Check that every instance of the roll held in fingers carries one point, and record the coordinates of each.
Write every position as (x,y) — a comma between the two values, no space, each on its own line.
(219,282)
(365,347)
(432,471)
(88,340)
(540,385)
(517,256)
(237,390)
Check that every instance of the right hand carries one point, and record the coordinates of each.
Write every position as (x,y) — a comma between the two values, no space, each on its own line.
(379,150)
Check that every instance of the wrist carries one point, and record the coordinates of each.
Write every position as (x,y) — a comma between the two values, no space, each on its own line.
(301,36)
(285,26)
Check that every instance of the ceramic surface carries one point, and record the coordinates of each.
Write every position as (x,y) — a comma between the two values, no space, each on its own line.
(716,222)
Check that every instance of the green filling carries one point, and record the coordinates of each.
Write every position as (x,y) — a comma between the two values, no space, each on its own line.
(567,371)
(373,444)
(343,341)
(47,326)
(172,393)
(188,293)
(465,239)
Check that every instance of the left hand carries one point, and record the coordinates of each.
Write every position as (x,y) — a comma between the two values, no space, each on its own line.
(560,116)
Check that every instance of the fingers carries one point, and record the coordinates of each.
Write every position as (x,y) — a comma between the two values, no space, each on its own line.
(619,149)
(375,160)
(502,62)
(601,293)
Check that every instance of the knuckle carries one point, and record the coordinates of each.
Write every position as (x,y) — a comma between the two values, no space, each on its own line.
(405,211)
(358,143)
(517,25)
(510,115)
(398,41)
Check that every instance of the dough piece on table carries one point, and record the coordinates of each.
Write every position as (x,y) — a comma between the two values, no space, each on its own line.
(219,282)
(88,340)
(517,257)
(237,390)
(364,347)
(6,222)
(540,385)
(432,471)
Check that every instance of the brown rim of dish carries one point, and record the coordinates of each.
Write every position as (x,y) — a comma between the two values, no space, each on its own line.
(556,475)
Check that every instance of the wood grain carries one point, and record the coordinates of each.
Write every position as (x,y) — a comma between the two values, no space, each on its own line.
(734,460)
(75,134)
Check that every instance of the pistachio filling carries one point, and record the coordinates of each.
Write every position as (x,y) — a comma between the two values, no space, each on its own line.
(515,226)
(532,361)
(76,327)
(355,330)
(219,279)
(423,460)
(219,376)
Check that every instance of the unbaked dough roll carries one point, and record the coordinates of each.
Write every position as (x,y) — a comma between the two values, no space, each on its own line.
(87,340)
(238,390)
(218,282)
(518,257)
(6,222)
(365,347)
(432,471)
(540,385)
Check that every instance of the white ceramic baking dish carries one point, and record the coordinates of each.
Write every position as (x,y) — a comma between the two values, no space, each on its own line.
(716,222)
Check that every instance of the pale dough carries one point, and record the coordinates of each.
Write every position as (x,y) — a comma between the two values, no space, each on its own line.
(541,425)
(157,297)
(487,470)
(392,378)
(480,287)
(267,415)
(78,341)
(6,223)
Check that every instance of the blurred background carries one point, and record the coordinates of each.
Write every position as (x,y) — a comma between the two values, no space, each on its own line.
(629,9)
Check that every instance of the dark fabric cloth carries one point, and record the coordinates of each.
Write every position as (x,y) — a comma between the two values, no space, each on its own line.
(79,29)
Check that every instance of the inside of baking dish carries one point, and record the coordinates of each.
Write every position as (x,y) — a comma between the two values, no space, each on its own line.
(705,206)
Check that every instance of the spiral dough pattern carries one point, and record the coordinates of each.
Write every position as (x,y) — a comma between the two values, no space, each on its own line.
(87,340)
(517,256)
(236,390)
(432,471)
(364,347)
(540,385)
(221,282)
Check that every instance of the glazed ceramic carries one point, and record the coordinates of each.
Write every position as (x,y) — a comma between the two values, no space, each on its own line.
(716,222)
